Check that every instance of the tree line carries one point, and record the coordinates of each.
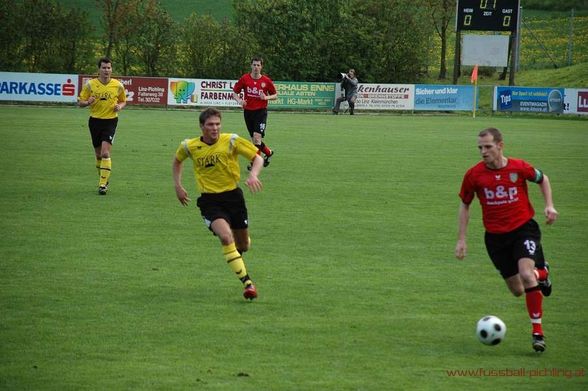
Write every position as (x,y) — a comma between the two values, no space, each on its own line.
(384,40)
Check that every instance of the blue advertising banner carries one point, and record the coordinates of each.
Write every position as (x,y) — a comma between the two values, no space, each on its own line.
(529,99)
(443,97)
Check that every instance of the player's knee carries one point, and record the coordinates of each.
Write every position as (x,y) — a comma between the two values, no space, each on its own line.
(244,245)
(515,285)
(529,277)
(226,238)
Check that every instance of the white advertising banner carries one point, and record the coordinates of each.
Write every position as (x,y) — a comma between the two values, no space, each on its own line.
(201,92)
(576,101)
(38,87)
(385,97)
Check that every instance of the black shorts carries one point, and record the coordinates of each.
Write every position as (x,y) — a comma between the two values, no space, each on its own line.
(505,250)
(255,121)
(102,130)
(229,205)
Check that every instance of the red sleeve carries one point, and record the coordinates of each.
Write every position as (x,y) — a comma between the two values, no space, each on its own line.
(238,87)
(529,172)
(271,88)
(467,191)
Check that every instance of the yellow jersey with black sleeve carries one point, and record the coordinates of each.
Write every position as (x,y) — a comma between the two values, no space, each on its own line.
(107,96)
(216,166)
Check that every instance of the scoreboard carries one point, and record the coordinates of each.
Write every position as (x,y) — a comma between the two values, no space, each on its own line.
(487,15)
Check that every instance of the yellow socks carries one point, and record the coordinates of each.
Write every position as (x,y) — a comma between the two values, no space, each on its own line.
(236,263)
(98,161)
(105,166)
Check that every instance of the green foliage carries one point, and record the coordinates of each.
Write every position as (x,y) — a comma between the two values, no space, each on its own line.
(396,50)
(555,5)
(177,9)
(384,40)
(442,14)
(353,239)
(156,36)
(212,48)
(548,40)
(140,36)
(299,40)
(309,40)
(575,76)
(42,36)
(119,20)
(483,71)
(9,41)
(554,41)
(74,43)
(147,38)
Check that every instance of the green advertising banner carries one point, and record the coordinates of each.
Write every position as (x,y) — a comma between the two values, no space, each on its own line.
(300,95)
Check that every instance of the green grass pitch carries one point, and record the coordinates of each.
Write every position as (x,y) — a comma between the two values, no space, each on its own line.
(353,239)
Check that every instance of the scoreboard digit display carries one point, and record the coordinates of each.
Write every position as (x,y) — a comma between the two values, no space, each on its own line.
(487,15)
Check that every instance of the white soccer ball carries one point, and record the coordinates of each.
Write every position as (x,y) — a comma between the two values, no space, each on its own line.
(490,330)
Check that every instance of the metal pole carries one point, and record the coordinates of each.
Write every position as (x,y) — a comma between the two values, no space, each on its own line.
(514,41)
(518,43)
(571,39)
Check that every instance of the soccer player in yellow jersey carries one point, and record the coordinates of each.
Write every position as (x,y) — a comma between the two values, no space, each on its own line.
(216,167)
(106,97)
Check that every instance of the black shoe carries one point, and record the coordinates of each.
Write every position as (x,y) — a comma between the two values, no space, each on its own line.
(538,343)
(335,112)
(266,159)
(103,189)
(545,285)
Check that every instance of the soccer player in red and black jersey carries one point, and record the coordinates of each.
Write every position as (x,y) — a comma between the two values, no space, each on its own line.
(257,90)
(512,238)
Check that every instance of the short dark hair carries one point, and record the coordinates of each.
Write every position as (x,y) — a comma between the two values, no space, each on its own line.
(495,133)
(104,60)
(257,58)
(207,113)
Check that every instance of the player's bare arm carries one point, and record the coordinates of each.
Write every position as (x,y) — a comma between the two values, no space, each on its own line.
(240,101)
(86,103)
(253,182)
(119,106)
(550,213)
(263,96)
(463,220)
(181,193)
